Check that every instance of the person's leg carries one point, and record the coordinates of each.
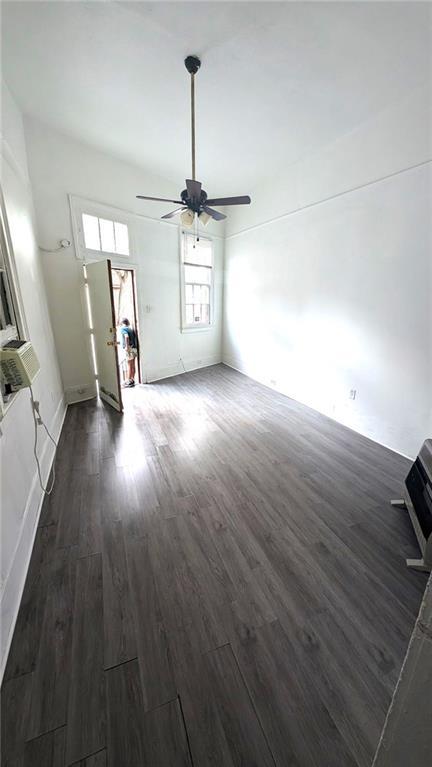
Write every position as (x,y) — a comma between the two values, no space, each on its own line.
(131,369)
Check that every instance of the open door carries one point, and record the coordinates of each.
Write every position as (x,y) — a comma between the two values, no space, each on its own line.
(104,329)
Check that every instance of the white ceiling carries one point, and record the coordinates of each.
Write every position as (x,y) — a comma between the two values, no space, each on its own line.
(278,80)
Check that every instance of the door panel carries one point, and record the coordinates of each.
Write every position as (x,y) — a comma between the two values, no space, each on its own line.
(102,309)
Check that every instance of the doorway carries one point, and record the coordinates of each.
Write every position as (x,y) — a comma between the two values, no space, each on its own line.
(125,306)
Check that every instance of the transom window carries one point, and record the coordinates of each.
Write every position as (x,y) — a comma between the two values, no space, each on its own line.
(197,281)
(105,235)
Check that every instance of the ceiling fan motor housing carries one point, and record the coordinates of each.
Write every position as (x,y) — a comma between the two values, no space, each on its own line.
(194,203)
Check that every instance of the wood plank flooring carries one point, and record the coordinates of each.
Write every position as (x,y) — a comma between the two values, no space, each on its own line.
(217,579)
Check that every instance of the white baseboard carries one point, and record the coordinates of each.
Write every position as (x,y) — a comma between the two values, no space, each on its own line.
(83,392)
(176,368)
(15,579)
(236,364)
(79,393)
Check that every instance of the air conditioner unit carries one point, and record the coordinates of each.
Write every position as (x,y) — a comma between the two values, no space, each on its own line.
(18,364)
(418,500)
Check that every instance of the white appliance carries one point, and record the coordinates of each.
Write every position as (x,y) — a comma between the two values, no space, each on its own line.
(19,364)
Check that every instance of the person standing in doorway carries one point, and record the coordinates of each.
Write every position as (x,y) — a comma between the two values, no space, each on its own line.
(130,346)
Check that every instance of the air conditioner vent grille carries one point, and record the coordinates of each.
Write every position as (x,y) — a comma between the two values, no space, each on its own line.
(19,364)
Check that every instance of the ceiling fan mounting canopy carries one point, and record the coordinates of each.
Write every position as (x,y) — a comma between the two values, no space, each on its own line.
(194,198)
(192,64)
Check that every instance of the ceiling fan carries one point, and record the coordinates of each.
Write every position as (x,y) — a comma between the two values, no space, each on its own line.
(194,200)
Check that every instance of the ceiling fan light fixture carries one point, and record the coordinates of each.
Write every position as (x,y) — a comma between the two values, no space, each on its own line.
(204,218)
(187,217)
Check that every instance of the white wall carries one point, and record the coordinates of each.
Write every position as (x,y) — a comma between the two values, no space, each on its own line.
(21,495)
(59,166)
(337,296)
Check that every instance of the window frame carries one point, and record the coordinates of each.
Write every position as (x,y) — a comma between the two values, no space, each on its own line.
(7,266)
(18,330)
(195,326)
(99,221)
(81,206)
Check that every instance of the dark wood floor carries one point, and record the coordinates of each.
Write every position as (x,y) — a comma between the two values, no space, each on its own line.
(218,579)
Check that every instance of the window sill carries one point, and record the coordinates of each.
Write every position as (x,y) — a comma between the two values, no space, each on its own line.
(198,329)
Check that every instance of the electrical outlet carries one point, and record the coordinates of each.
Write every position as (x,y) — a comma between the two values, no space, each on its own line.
(353,393)
(272,382)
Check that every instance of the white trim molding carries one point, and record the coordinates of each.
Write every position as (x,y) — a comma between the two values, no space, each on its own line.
(180,367)
(80,393)
(237,364)
(80,206)
(323,200)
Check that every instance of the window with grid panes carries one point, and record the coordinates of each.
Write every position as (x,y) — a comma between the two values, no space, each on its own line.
(105,235)
(197,277)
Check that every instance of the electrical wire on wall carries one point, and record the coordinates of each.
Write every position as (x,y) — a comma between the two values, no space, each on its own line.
(38,421)
(63,244)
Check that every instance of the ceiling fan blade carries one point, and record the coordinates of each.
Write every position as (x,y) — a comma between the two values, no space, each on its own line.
(214,213)
(158,199)
(244,200)
(193,189)
(173,213)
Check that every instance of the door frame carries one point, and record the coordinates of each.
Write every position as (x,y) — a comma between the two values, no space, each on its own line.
(114,332)
(91,330)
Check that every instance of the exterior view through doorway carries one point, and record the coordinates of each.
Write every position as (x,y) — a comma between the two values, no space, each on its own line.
(125,308)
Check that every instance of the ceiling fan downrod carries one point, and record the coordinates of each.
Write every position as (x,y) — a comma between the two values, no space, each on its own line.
(192,64)
(194,202)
